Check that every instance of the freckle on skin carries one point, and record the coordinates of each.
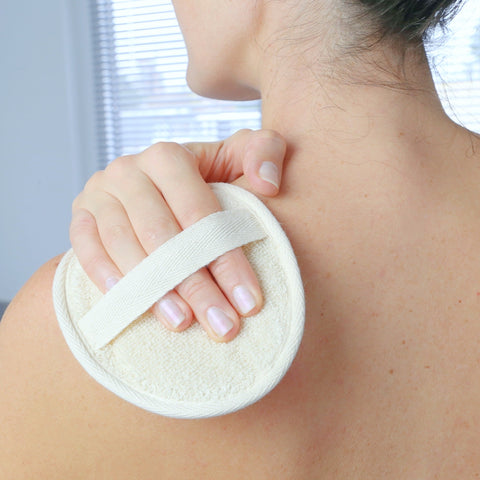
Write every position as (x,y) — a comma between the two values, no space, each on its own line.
(391,371)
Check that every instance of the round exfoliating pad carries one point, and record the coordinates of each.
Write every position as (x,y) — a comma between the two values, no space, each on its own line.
(188,375)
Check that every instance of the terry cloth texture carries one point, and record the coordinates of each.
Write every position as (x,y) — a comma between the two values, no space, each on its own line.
(188,375)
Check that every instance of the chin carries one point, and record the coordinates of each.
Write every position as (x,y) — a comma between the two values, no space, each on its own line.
(224,89)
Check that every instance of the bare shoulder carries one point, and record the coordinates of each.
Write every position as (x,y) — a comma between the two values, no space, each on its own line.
(34,295)
(33,363)
(56,421)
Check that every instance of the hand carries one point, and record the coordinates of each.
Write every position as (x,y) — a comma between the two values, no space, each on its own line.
(140,201)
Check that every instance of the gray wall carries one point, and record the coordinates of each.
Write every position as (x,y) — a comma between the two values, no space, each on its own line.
(46,130)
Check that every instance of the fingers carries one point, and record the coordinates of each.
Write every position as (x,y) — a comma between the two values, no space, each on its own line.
(263,161)
(258,154)
(154,223)
(232,269)
(90,252)
(172,310)
(140,201)
(115,231)
(236,284)
(106,268)
(132,219)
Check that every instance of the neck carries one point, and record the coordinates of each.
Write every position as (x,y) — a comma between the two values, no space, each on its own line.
(343,134)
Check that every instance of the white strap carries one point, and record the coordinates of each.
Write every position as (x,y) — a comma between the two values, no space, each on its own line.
(164,269)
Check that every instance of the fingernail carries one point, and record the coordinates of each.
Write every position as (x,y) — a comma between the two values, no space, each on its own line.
(245,300)
(219,321)
(110,282)
(269,172)
(171,311)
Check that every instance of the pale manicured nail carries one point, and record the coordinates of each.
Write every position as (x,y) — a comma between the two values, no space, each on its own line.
(269,172)
(171,311)
(245,300)
(219,321)
(110,282)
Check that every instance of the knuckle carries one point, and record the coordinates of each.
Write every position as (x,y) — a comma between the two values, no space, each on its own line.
(120,167)
(95,180)
(166,226)
(193,287)
(242,132)
(240,138)
(151,236)
(113,233)
(162,228)
(161,152)
(92,264)
(162,149)
(270,138)
(267,134)
(82,222)
(169,155)
(76,202)
(223,267)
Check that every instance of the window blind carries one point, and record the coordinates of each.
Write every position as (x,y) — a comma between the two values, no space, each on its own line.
(455,59)
(142,96)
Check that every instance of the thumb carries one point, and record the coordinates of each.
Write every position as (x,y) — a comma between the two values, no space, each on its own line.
(259,155)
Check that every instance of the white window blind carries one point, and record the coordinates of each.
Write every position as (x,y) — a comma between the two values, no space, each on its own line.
(142,96)
(455,59)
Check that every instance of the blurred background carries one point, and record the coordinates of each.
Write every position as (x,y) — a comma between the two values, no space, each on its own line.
(83,82)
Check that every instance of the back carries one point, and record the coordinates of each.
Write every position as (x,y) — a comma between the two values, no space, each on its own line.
(385,384)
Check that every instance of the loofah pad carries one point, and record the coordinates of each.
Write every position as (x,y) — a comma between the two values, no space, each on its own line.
(187,374)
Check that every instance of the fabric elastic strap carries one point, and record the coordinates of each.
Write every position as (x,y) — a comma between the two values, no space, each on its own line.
(164,269)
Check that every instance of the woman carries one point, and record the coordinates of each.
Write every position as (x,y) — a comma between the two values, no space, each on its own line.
(380,202)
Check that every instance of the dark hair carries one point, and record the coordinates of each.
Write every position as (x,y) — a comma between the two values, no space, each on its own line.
(411,20)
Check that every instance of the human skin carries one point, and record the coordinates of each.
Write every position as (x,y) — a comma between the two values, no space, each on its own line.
(380,201)
(138,202)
